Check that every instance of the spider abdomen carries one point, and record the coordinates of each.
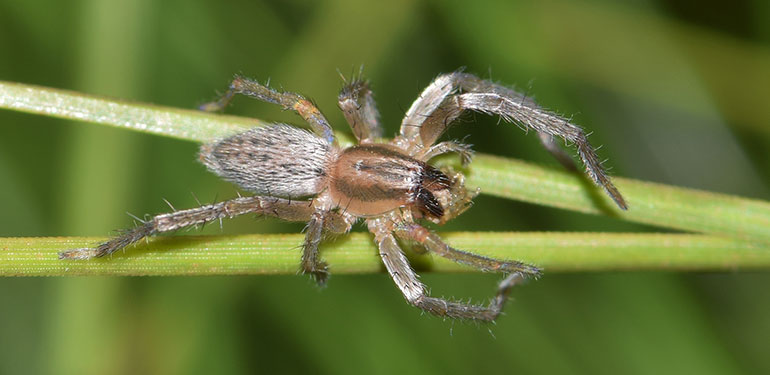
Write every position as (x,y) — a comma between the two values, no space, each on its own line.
(277,160)
(372,179)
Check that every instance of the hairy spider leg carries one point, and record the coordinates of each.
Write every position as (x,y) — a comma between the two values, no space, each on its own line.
(546,123)
(288,100)
(268,206)
(449,95)
(322,221)
(311,259)
(357,104)
(550,144)
(414,291)
(415,123)
(434,244)
(464,150)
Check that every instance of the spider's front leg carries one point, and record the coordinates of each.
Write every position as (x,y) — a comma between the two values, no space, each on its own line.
(414,291)
(557,152)
(281,208)
(543,122)
(449,95)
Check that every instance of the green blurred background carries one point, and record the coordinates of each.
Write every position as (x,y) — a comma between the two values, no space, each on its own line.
(676,90)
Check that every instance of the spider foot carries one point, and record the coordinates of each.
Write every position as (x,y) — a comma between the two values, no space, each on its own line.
(319,273)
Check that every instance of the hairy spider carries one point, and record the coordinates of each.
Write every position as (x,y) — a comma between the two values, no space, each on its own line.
(306,176)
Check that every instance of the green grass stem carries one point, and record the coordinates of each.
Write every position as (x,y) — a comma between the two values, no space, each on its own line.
(356,253)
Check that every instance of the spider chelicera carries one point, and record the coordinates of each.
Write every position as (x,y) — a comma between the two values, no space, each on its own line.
(306,176)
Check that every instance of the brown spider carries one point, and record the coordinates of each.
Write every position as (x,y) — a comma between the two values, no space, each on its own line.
(303,176)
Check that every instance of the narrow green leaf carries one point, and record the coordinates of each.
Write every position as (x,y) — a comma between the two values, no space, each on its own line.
(648,203)
(184,124)
(356,253)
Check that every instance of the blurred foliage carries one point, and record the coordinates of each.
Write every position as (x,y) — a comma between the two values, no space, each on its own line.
(675,92)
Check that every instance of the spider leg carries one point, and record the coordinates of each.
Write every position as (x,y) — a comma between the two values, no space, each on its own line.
(321,221)
(281,208)
(440,104)
(422,123)
(311,259)
(465,151)
(418,116)
(543,122)
(447,84)
(433,243)
(414,291)
(358,106)
(288,100)
(557,152)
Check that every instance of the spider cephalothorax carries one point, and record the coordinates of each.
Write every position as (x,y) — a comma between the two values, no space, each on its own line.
(300,175)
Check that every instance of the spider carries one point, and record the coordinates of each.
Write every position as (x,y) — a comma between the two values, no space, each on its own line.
(299,175)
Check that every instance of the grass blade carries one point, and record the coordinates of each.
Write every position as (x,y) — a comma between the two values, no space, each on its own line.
(649,203)
(355,253)
(186,124)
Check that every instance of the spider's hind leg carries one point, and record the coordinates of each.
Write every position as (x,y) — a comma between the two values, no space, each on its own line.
(281,208)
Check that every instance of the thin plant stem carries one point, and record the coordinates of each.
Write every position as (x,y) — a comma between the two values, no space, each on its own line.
(648,203)
(356,253)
